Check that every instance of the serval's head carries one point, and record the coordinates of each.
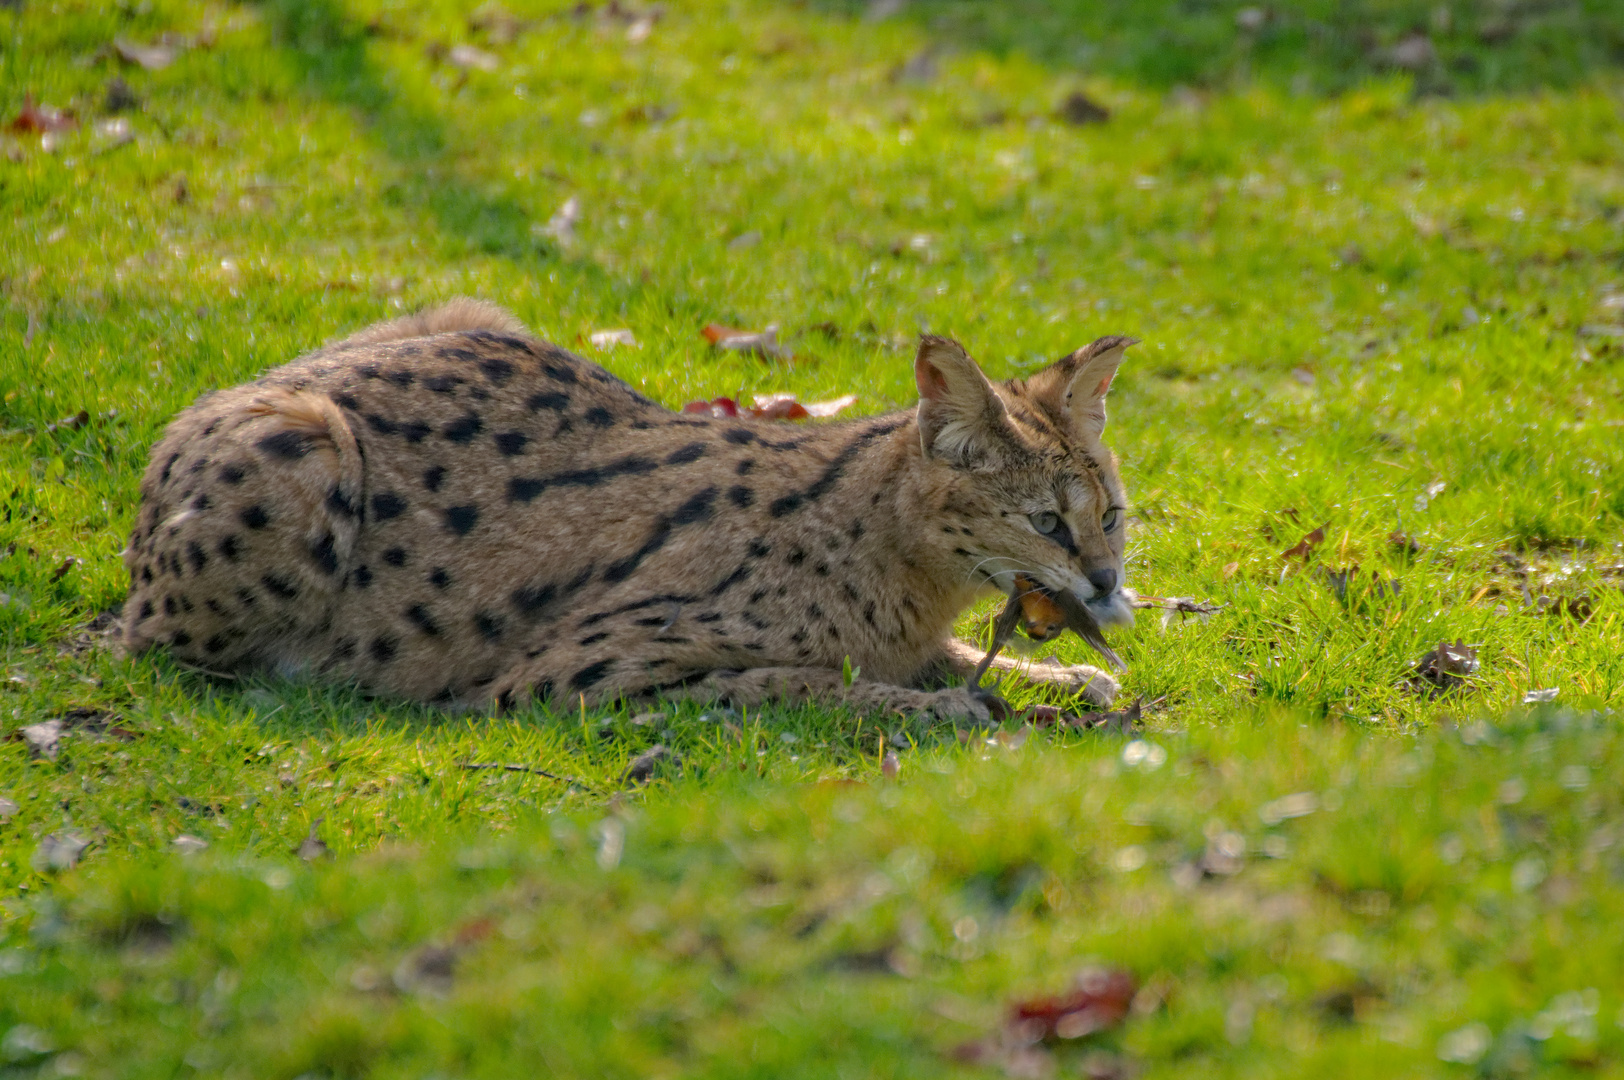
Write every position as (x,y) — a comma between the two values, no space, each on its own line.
(1024,472)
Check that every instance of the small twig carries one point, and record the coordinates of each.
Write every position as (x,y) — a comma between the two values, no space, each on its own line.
(1179,603)
(508,767)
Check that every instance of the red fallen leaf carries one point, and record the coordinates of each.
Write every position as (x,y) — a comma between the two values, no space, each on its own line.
(477,930)
(722,407)
(1306,545)
(41,118)
(770,407)
(1099,999)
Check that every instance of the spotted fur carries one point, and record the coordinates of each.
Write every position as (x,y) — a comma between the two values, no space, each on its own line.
(446,508)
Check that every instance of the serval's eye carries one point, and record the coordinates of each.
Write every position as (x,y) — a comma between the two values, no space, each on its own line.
(1045,522)
(1109,521)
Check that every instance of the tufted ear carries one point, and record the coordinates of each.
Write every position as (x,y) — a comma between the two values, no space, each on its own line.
(1073,389)
(959,413)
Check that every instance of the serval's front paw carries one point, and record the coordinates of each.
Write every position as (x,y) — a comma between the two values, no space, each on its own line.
(1096,686)
(969,706)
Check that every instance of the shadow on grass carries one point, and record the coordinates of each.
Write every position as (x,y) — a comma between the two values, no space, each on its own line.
(1320,46)
(329,49)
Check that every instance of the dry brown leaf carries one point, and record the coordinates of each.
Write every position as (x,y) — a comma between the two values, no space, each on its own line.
(608,339)
(770,407)
(154,57)
(763,343)
(1443,669)
(1305,547)
(41,118)
(1079,109)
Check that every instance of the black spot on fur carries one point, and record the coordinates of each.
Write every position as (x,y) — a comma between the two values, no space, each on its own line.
(170,607)
(246,597)
(277,585)
(323,555)
(383,649)
(496,369)
(868,613)
(233,474)
(696,508)
(550,399)
(215,644)
(814,611)
(368,371)
(740,436)
(758,549)
(381,424)
(560,372)
(691,452)
(524,489)
(796,556)
(461,519)
(731,580)
(163,477)
(432,477)
(511,443)
(488,624)
(709,617)
(443,384)
(591,675)
(439,578)
(464,428)
(195,556)
(362,576)
(146,611)
(287,445)
(414,431)
(386,505)
(467,356)
(395,556)
(348,401)
(401,377)
(593,639)
(741,496)
(340,504)
(146,575)
(255,517)
(531,600)
(202,502)
(181,638)
(424,620)
(788,504)
(598,416)
(822,569)
(211,427)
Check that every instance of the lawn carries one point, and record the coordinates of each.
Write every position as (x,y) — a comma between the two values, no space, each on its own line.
(1375,252)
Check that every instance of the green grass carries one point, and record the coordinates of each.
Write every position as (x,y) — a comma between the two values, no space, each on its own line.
(1347,300)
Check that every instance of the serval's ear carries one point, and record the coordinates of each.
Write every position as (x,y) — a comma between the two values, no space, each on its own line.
(1073,389)
(959,413)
